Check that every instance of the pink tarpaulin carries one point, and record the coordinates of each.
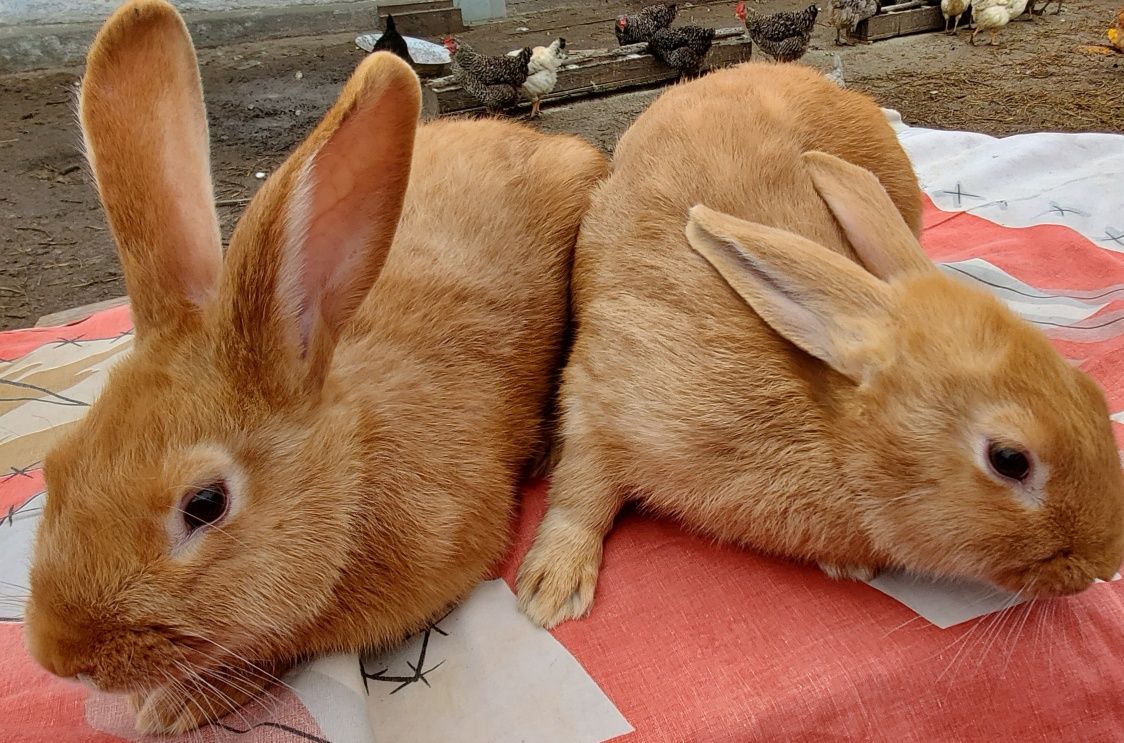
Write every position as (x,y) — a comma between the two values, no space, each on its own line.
(688,641)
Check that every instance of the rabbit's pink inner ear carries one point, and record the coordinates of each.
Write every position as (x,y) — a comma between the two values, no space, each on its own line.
(819,300)
(875,228)
(344,207)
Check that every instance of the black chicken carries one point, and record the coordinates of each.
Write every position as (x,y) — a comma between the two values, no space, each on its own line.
(494,81)
(392,41)
(639,28)
(682,48)
(783,36)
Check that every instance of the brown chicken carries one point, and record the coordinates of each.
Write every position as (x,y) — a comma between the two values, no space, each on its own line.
(1116,33)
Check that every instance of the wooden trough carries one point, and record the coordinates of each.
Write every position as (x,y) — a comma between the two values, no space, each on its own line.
(913,17)
(594,71)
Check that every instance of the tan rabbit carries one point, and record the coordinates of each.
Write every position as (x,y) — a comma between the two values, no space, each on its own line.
(767,390)
(292,462)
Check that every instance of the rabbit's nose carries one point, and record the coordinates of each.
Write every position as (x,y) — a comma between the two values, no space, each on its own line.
(59,663)
(53,644)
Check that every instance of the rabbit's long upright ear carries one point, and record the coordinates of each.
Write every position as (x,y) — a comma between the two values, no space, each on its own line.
(873,224)
(315,238)
(145,131)
(819,300)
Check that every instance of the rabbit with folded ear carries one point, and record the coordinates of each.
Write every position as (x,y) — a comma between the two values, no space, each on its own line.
(316,442)
(784,369)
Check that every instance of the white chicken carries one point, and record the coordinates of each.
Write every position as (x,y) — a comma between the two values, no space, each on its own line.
(835,74)
(542,72)
(954,9)
(993,15)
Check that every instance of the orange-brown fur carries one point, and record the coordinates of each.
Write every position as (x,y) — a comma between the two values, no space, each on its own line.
(679,396)
(380,446)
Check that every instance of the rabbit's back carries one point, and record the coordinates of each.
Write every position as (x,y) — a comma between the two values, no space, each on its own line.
(735,136)
(731,141)
(672,372)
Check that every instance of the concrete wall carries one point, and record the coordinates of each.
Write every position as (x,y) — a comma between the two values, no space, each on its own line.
(13,12)
(475,11)
(78,11)
(56,33)
(37,34)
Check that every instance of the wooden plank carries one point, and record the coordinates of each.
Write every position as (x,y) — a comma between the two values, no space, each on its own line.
(889,25)
(595,71)
(65,317)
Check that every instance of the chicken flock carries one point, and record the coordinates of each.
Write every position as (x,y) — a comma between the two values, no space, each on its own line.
(682,48)
(990,15)
(499,83)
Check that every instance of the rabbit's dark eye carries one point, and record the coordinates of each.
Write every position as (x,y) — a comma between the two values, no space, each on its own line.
(1008,462)
(205,506)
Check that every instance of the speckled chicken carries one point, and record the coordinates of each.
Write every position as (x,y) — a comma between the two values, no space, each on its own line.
(494,81)
(640,28)
(682,48)
(846,15)
(392,41)
(783,36)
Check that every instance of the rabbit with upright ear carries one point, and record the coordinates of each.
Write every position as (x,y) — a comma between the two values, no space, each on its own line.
(764,352)
(316,442)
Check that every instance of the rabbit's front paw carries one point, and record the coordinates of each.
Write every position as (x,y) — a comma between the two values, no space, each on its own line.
(169,711)
(848,572)
(557,578)
(183,706)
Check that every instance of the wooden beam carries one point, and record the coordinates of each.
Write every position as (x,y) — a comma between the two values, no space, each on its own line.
(902,23)
(594,71)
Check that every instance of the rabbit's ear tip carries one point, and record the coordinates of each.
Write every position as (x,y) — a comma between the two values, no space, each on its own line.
(384,62)
(816,157)
(699,212)
(136,20)
(146,10)
(378,72)
(700,217)
(156,7)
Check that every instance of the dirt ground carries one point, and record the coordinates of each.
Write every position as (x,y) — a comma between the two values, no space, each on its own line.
(263,97)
